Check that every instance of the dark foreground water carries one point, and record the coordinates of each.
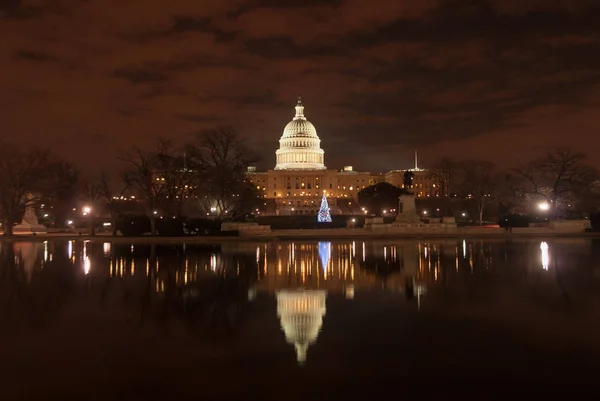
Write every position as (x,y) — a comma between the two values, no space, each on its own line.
(299,320)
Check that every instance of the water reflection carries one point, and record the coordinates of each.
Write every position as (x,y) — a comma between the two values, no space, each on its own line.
(325,254)
(301,314)
(87,263)
(29,256)
(208,285)
(318,265)
(333,266)
(545,255)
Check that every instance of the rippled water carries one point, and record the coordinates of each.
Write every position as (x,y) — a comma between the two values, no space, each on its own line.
(348,309)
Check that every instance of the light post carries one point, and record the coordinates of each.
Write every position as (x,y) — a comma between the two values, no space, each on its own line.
(87,211)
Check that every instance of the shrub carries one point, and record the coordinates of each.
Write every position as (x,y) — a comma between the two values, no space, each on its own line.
(133,225)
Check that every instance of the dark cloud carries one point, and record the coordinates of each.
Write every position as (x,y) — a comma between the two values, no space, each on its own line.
(377,77)
(198,118)
(276,4)
(282,47)
(18,9)
(139,76)
(184,24)
(34,55)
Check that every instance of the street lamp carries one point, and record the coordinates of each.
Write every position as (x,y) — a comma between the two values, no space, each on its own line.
(87,211)
(544,206)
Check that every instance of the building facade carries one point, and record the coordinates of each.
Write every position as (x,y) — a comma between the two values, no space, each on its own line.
(424,183)
(300,177)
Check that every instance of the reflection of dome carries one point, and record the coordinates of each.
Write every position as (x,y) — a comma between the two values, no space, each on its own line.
(301,313)
(300,146)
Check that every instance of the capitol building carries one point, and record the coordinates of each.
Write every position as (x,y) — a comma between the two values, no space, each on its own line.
(300,177)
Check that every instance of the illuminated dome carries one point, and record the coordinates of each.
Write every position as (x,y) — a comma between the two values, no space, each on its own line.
(301,313)
(300,146)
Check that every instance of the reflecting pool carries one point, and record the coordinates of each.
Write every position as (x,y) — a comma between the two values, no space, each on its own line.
(115,320)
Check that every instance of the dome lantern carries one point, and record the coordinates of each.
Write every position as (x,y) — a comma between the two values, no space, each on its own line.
(299,110)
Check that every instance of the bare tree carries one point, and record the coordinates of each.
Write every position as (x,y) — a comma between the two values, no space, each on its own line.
(510,196)
(222,159)
(61,199)
(179,179)
(91,194)
(141,177)
(559,177)
(111,199)
(25,176)
(444,174)
(479,182)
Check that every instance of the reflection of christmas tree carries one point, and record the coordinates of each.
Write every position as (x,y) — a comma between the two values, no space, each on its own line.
(324,216)
(325,253)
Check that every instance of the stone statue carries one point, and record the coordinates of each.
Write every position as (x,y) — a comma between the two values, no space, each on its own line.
(408,179)
(30,223)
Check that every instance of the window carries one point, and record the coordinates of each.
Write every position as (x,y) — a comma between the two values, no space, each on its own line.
(297,186)
(309,185)
(330,185)
(274,193)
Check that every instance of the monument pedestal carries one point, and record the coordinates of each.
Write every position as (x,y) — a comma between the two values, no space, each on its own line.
(374,224)
(449,222)
(26,228)
(407,210)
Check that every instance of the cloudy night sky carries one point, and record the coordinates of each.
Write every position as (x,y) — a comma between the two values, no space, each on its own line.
(493,79)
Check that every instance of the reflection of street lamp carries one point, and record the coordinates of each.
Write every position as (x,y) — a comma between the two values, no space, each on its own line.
(545,255)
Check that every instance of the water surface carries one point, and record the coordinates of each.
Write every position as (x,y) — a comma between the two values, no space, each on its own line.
(94,320)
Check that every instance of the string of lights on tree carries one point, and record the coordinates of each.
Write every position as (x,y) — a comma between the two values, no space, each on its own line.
(324,216)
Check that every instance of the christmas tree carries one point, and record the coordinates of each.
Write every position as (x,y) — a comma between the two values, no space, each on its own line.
(324,216)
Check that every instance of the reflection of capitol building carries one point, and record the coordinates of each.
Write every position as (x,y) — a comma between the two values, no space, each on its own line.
(301,313)
(343,267)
